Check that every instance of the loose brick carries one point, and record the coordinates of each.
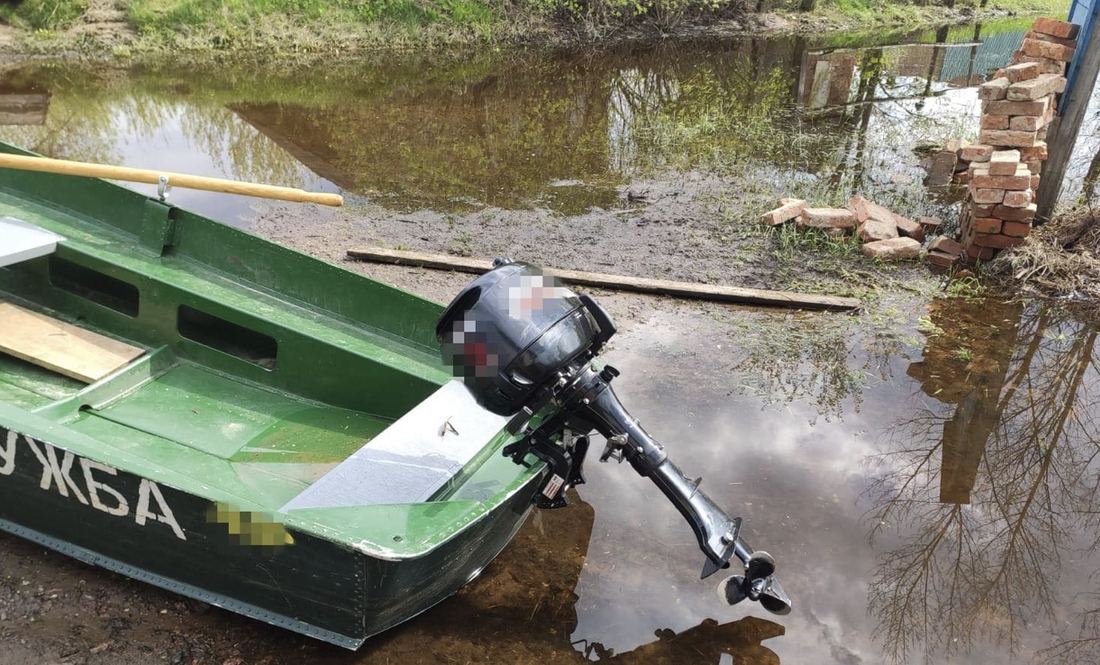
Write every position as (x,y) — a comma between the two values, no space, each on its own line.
(789,210)
(821,218)
(998,241)
(980,210)
(995,122)
(1031,34)
(953,145)
(1036,88)
(1007,138)
(1022,72)
(1046,66)
(978,152)
(1018,198)
(1060,29)
(987,195)
(909,228)
(893,249)
(1016,229)
(941,259)
(864,210)
(1015,214)
(930,224)
(1037,151)
(983,253)
(994,89)
(1041,49)
(945,245)
(1035,166)
(872,230)
(1004,162)
(986,225)
(1004,107)
(1021,179)
(1035,180)
(1023,123)
(962,177)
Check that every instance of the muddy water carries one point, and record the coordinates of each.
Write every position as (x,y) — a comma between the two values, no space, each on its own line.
(925,474)
(564,131)
(931,499)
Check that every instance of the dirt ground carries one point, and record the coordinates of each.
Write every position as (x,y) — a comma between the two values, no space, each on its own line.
(676,228)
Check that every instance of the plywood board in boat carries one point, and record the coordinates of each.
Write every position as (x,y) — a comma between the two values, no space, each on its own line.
(63,348)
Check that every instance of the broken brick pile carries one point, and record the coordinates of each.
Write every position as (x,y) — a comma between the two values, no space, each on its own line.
(886,235)
(1002,171)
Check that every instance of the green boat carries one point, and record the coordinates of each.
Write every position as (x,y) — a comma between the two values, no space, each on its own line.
(209,412)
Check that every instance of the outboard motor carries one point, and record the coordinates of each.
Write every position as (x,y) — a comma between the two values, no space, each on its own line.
(525,346)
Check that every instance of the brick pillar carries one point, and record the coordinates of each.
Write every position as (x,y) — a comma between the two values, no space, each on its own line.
(1005,165)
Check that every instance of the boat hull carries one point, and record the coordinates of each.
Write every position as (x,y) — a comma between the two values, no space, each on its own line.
(150,531)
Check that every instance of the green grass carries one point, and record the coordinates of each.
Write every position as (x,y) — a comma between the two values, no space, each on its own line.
(275,29)
(42,14)
(150,15)
(242,22)
(902,11)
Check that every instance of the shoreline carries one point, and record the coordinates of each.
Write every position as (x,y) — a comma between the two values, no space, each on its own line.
(280,42)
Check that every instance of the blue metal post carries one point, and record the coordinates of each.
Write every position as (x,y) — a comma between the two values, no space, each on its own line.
(1062,132)
(1083,13)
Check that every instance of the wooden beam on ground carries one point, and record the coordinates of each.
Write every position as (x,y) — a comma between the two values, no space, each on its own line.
(621,282)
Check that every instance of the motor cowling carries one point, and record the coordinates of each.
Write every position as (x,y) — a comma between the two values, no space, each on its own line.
(513,331)
(524,344)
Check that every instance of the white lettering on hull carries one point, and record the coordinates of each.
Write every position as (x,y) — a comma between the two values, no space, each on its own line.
(7,455)
(150,489)
(151,505)
(54,474)
(121,507)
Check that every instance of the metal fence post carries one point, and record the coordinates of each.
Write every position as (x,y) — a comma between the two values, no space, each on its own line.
(1081,78)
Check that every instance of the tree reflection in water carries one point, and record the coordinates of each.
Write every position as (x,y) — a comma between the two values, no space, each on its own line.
(988,502)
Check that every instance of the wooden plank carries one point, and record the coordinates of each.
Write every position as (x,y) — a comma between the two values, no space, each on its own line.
(58,346)
(621,282)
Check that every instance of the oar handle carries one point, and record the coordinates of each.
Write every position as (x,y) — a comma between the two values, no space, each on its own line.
(66,167)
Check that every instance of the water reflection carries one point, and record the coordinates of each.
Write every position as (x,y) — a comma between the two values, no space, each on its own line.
(525,609)
(561,131)
(991,501)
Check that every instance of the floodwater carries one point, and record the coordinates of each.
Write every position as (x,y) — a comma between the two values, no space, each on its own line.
(927,478)
(560,131)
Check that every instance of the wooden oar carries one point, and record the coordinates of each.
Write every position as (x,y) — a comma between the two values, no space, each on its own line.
(65,167)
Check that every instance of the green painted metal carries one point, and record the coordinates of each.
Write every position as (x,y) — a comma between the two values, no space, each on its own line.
(265,368)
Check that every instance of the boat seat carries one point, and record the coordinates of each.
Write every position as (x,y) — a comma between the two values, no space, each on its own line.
(58,346)
(412,459)
(23,241)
